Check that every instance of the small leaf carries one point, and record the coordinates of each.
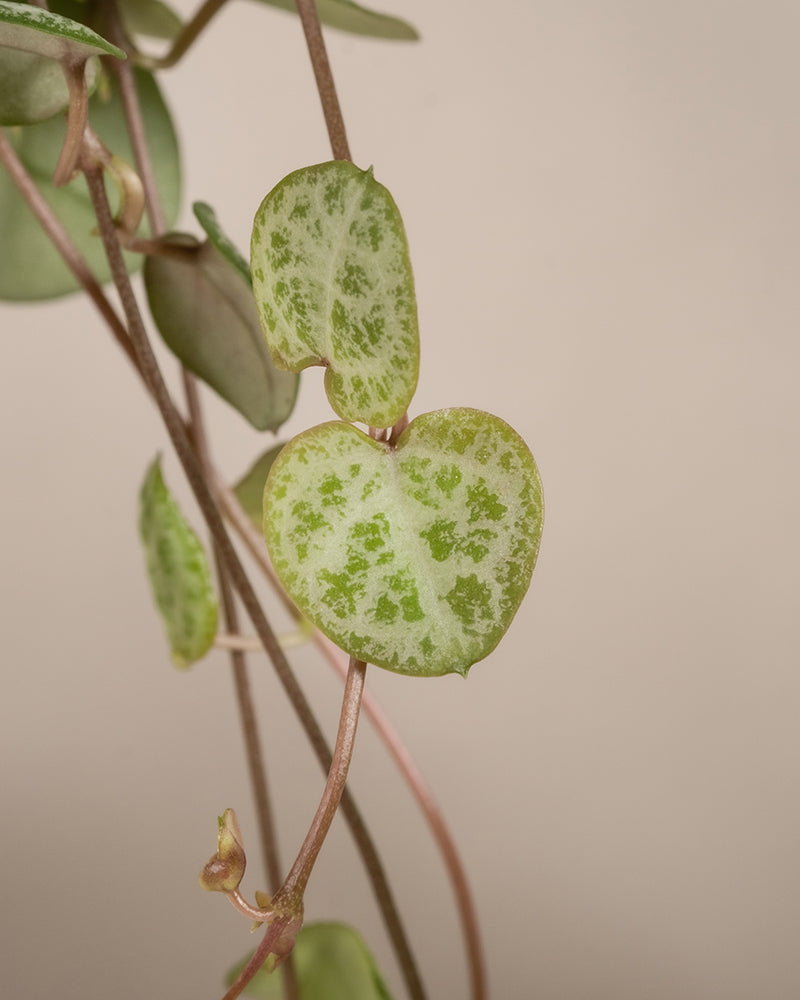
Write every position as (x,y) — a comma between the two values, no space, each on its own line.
(207,218)
(348,16)
(331,962)
(33,88)
(32,268)
(413,558)
(178,570)
(250,488)
(150,17)
(204,310)
(33,29)
(333,282)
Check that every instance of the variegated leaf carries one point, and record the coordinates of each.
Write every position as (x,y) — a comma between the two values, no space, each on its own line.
(414,557)
(333,282)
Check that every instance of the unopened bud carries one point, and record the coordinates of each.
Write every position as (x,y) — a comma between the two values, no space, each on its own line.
(225,870)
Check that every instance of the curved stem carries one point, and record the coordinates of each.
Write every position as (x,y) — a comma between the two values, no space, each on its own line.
(186,455)
(274,932)
(326,87)
(296,880)
(393,742)
(254,912)
(77,116)
(187,36)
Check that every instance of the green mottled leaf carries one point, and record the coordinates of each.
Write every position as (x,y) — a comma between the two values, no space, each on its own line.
(205,312)
(32,269)
(348,16)
(207,218)
(413,558)
(332,279)
(33,29)
(332,963)
(33,88)
(178,570)
(250,488)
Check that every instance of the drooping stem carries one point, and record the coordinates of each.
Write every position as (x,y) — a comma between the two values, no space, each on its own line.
(298,876)
(187,36)
(393,742)
(187,457)
(60,238)
(334,120)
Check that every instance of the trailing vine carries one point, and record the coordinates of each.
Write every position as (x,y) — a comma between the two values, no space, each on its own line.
(406,544)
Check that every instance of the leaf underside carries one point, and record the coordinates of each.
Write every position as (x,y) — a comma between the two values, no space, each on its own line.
(415,558)
(32,268)
(204,309)
(348,16)
(332,962)
(333,283)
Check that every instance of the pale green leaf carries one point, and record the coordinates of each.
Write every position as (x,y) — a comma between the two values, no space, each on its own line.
(333,282)
(204,310)
(150,17)
(179,573)
(414,558)
(32,268)
(33,29)
(331,962)
(33,88)
(250,488)
(207,218)
(348,16)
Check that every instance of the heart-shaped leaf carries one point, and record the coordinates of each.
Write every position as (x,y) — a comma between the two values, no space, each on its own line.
(332,279)
(414,558)
(32,268)
(33,88)
(178,570)
(204,310)
(331,962)
(348,16)
(33,29)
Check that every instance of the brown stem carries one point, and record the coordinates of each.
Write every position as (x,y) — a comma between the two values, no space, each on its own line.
(187,36)
(77,116)
(274,932)
(186,455)
(326,87)
(64,245)
(296,880)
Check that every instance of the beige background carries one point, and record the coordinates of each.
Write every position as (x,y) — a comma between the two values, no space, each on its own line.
(602,205)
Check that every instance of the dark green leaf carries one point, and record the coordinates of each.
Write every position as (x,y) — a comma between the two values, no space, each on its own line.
(33,29)
(207,218)
(414,557)
(178,570)
(204,310)
(32,268)
(333,282)
(332,963)
(348,16)
(250,488)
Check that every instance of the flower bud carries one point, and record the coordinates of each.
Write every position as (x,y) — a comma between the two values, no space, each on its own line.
(225,870)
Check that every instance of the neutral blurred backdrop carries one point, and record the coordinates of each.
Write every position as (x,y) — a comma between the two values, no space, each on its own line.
(602,206)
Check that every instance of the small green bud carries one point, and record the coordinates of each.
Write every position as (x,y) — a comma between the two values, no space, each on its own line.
(225,870)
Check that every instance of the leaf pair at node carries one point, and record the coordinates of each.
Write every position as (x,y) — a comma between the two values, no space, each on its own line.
(412,554)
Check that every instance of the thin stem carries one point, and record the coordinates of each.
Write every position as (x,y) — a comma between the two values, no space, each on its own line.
(298,876)
(77,116)
(331,109)
(247,714)
(275,931)
(60,238)
(393,742)
(186,455)
(187,36)
(258,913)
(133,117)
